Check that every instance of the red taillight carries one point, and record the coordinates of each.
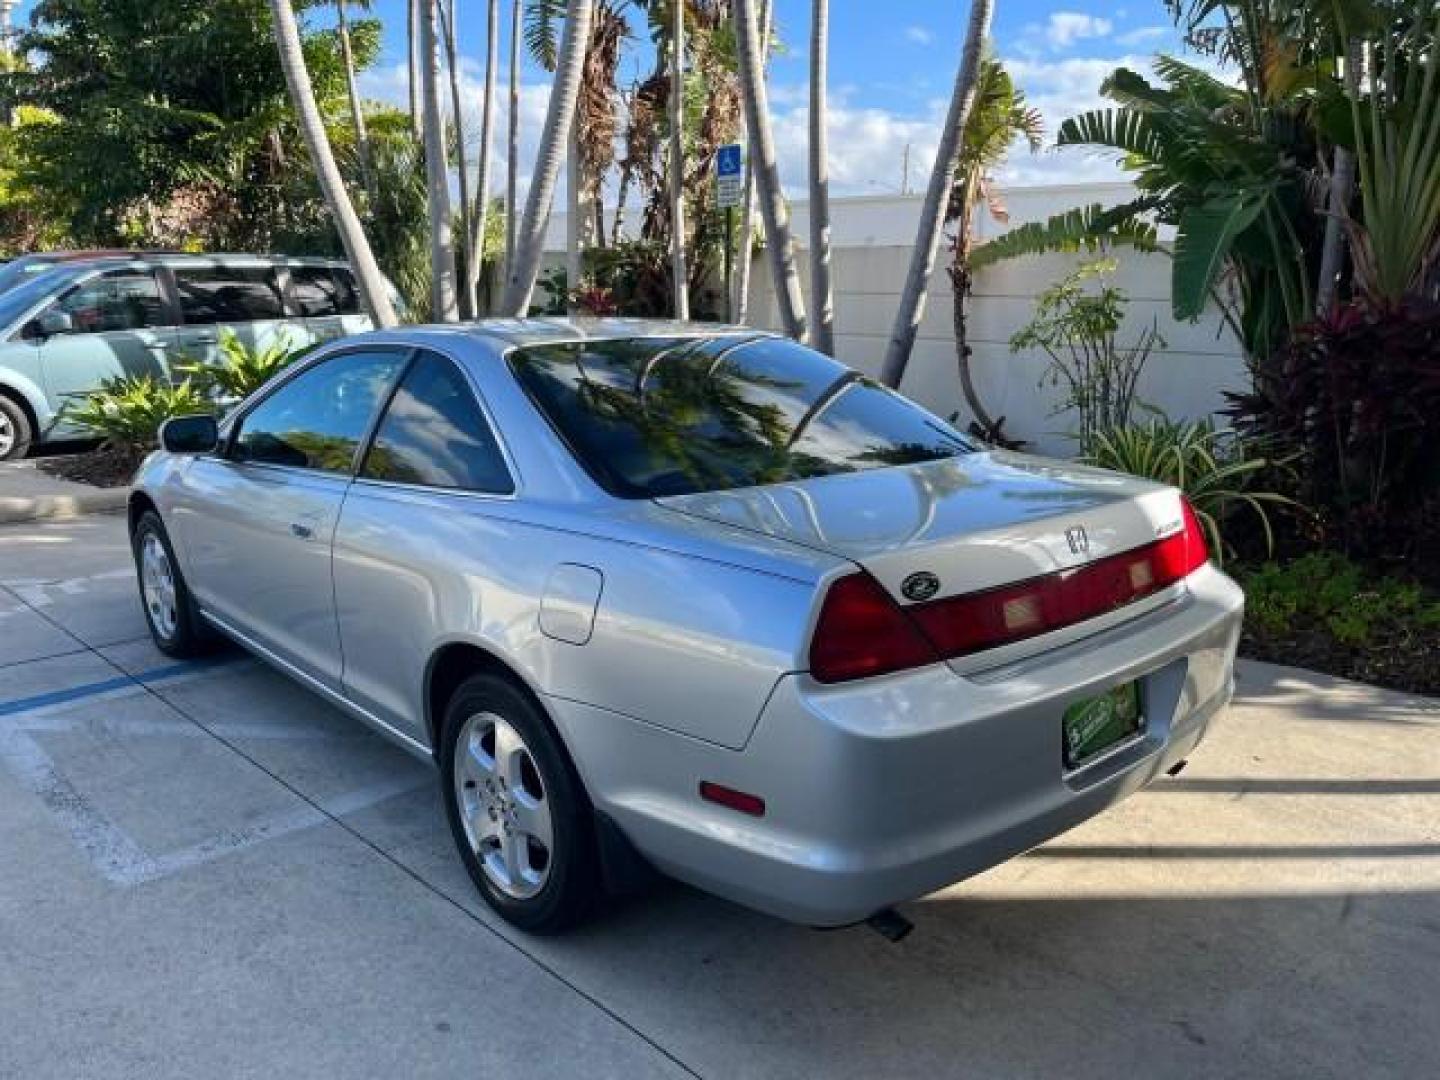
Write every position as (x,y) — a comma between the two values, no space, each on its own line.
(862,632)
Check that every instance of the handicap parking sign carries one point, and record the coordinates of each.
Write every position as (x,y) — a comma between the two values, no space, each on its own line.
(729,187)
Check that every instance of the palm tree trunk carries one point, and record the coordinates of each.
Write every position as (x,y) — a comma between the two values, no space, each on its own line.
(822,289)
(374,290)
(961,280)
(559,118)
(679,285)
(1342,187)
(762,143)
(449,17)
(740,304)
(437,179)
(574,207)
(476,265)
(352,89)
(413,38)
(942,177)
(512,158)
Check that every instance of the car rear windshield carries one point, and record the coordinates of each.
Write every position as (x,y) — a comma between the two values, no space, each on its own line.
(674,416)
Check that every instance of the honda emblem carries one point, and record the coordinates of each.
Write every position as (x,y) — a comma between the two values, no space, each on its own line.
(1079,542)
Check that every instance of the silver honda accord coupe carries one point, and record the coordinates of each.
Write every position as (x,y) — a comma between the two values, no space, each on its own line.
(695,599)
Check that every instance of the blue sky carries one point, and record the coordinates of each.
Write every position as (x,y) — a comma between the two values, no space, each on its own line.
(892,64)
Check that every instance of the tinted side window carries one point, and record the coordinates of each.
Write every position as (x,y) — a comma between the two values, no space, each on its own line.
(321,292)
(228,294)
(435,434)
(123,300)
(317,419)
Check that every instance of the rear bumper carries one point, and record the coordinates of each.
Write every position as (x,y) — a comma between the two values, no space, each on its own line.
(884,790)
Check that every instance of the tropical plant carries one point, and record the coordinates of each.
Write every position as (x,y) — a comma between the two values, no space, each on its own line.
(1355,397)
(352,89)
(822,288)
(1216,468)
(911,308)
(126,412)
(462,250)
(560,114)
(241,369)
(997,120)
(512,142)
(1234,169)
(476,249)
(1078,328)
(437,179)
(676,164)
(373,290)
(740,302)
(778,240)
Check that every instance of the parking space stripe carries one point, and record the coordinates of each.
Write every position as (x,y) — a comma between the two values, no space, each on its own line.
(105,686)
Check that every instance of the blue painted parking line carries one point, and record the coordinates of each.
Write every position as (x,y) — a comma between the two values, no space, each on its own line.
(105,686)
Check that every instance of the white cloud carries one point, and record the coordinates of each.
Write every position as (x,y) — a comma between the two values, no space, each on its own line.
(1064,28)
(1142,35)
(919,35)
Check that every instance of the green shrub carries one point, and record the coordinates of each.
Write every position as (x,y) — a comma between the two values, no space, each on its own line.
(1213,467)
(242,369)
(1327,612)
(126,413)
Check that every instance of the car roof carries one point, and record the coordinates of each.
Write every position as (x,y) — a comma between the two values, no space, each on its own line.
(515,333)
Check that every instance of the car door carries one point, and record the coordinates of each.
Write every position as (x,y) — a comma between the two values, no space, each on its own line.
(423,486)
(246,300)
(257,518)
(112,325)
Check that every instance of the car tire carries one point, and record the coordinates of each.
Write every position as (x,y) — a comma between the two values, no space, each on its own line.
(517,809)
(16,433)
(175,623)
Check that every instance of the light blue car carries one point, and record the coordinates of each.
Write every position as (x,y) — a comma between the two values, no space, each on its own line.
(66,330)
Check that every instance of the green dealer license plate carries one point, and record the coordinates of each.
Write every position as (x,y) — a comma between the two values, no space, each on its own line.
(1092,726)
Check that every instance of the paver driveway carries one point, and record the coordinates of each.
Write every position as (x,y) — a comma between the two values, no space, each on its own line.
(205,871)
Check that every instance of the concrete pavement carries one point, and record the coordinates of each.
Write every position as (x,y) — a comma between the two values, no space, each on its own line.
(27,494)
(204,870)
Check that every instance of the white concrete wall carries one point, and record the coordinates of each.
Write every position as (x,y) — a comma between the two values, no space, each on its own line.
(872,238)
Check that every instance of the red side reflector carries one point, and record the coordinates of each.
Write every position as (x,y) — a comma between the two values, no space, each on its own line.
(742,801)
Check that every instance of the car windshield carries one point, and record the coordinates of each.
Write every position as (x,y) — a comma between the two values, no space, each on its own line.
(50,282)
(674,416)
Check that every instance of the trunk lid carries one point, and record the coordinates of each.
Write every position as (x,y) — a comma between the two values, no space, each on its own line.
(974,522)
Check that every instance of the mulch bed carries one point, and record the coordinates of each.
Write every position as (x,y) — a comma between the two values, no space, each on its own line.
(1404,660)
(106,467)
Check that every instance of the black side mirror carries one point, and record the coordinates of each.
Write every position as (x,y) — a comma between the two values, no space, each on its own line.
(190,434)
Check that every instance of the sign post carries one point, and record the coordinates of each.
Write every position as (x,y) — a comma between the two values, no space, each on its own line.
(729,192)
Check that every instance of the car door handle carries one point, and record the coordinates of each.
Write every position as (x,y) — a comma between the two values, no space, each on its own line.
(208,339)
(300,529)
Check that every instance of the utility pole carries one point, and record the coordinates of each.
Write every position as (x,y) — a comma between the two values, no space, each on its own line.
(905,171)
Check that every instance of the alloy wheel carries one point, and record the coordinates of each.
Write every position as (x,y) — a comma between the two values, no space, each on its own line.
(503,805)
(157,581)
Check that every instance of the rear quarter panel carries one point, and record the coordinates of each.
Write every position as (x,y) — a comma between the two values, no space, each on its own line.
(689,644)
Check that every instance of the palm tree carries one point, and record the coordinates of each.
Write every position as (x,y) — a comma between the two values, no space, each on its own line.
(740,305)
(449,30)
(512,155)
(475,254)
(998,117)
(822,289)
(373,289)
(559,117)
(412,38)
(442,257)
(357,114)
(942,179)
(762,148)
(681,292)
